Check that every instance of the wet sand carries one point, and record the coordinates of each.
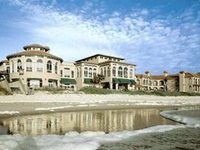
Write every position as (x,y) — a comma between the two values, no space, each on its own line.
(187,138)
(177,139)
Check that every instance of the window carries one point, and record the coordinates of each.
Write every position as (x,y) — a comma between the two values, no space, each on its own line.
(144,82)
(120,72)
(19,65)
(94,72)
(78,73)
(13,67)
(39,65)
(155,83)
(90,72)
(72,74)
(108,71)
(61,73)
(49,66)
(131,73)
(161,83)
(101,71)
(56,68)
(28,65)
(126,72)
(114,71)
(86,72)
(104,71)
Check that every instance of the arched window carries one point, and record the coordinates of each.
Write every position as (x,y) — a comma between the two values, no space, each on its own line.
(90,72)
(108,71)
(114,71)
(94,72)
(155,83)
(120,72)
(56,68)
(49,66)
(29,65)
(150,83)
(86,72)
(126,72)
(39,65)
(131,73)
(19,65)
(161,83)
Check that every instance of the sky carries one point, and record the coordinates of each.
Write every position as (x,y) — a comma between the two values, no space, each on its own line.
(156,35)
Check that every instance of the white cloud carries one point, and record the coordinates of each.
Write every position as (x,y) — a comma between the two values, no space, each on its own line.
(153,42)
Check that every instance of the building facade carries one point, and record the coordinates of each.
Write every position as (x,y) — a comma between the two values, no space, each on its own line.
(180,82)
(117,74)
(36,67)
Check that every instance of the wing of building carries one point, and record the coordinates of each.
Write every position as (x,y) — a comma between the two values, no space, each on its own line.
(180,82)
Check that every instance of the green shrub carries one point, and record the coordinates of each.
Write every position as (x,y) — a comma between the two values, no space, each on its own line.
(51,90)
(94,90)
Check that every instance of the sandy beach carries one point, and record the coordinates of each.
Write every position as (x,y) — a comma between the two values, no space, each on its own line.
(44,103)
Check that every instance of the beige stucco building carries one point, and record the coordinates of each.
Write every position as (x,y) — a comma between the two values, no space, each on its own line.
(117,74)
(180,82)
(36,67)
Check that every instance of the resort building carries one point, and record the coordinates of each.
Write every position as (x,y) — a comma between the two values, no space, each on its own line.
(180,82)
(117,74)
(35,67)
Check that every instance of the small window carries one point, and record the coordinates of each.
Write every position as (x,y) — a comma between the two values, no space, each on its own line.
(86,72)
(29,65)
(90,72)
(19,65)
(49,66)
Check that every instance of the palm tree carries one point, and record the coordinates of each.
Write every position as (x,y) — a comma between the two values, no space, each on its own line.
(98,78)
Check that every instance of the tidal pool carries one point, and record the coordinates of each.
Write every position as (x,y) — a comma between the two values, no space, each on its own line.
(101,120)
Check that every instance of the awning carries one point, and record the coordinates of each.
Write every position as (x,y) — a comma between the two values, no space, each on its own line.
(67,81)
(115,80)
(88,81)
(133,82)
(124,81)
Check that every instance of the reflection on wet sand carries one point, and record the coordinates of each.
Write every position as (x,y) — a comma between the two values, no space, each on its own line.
(104,120)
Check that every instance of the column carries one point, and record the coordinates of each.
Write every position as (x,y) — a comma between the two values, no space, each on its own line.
(111,85)
(116,86)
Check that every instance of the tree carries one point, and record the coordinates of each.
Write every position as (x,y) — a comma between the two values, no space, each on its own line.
(98,78)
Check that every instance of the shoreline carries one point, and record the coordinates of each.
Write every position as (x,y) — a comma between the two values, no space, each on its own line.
(15,105)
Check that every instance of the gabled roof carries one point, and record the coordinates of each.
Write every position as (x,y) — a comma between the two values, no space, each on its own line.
(99,55)
(34,53)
